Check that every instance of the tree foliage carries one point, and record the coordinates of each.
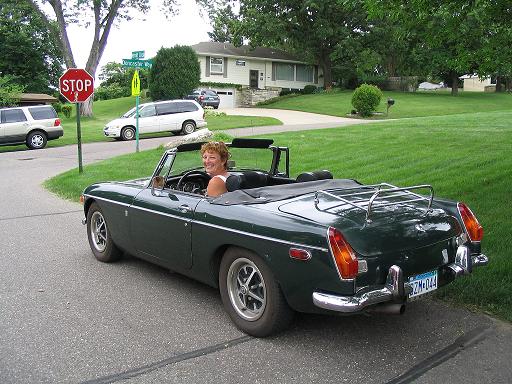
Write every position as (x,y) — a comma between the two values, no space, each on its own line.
(175,72)
(10,91)
(26,42)
(116,81)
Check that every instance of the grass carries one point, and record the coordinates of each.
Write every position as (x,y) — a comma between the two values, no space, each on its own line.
(466,157)
(407,104)
(107,110)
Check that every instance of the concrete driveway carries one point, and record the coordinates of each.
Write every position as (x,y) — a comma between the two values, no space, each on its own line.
(66,318)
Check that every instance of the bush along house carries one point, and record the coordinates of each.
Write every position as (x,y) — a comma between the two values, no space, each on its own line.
(250,74)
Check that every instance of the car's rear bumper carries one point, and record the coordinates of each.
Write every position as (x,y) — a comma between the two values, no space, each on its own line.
(396,290)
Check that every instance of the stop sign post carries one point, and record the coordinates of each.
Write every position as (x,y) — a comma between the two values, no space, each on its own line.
(77,85)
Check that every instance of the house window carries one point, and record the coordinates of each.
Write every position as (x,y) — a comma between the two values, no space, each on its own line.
(285,71)
(304,73)
(216,65)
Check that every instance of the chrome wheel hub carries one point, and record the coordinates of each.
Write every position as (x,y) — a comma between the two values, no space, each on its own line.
(98,229)
(246,289)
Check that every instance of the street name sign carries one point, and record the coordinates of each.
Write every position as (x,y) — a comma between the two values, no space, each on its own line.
(135,63)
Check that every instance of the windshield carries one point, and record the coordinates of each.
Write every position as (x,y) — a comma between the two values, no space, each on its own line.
(130,113)
(241,159)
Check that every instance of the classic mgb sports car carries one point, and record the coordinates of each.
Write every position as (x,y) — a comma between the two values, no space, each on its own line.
(274,244)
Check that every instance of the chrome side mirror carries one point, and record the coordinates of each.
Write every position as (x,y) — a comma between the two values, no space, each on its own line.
(157,185)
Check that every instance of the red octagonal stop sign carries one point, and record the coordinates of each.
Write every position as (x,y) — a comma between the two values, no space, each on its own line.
(76,85)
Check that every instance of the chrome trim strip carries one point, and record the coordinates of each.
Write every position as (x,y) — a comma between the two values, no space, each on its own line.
(262,237)
(218,226)
(161,213)
(108,200)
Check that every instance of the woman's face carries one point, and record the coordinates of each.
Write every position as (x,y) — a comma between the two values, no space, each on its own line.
(212,163)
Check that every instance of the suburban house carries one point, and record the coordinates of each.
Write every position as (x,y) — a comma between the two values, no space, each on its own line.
(252,74)
(472,83)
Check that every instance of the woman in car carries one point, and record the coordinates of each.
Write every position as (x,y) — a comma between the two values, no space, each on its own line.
(215,156)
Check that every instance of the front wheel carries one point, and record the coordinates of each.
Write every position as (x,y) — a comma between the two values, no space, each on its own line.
(251,295)
(188,127)
(99,237)
(128,133)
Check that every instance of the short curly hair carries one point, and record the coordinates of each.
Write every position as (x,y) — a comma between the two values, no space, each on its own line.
(220,147)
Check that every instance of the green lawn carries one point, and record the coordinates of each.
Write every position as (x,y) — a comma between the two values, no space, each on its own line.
(466,157)
(407,104)
(106,110)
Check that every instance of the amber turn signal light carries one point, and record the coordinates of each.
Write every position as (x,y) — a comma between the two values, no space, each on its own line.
(473,227)
(344,255)
(82,199)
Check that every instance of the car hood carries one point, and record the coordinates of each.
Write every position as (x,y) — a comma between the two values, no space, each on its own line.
(117,122)
(393,229)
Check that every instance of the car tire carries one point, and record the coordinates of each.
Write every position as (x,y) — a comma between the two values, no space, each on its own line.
(99,237)
(36,140)
(128,133)
(188,127)
(258,306)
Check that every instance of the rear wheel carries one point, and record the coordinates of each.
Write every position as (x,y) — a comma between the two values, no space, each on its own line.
(36,140)
(188,127)
(99,237)
(128,133)
(251,295)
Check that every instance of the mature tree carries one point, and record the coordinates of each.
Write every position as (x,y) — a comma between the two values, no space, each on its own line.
(101,14)
(311,29)
(10,91)
(28,52)
(174,74)
(224,26)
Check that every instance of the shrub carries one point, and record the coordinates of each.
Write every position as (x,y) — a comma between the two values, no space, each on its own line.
(174,73)
(210,111)
(309,89)
(366,98)
(112,91)
(67,109)
(57,106)
(288,91)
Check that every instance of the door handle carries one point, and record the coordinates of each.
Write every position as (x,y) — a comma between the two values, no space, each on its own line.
(185,208)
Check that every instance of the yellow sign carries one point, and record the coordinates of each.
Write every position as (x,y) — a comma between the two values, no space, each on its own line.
(136,84)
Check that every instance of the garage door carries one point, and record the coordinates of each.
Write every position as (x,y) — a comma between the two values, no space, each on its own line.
(227,97)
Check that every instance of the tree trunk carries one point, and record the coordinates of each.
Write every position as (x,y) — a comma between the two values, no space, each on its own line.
(499,88)
(455,83)
(326,64)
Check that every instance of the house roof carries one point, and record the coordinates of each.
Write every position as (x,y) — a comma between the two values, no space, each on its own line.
(245,51)
(37,97)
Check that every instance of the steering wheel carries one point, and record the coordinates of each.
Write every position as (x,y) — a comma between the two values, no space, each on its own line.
(193,172)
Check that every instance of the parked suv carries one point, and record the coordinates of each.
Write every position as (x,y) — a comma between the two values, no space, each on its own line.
(205,97)
(176,116)
(33,126)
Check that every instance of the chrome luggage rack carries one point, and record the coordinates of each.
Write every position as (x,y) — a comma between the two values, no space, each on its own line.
(368,197)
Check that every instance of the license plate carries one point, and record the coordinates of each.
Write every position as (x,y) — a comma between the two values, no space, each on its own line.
(423,283)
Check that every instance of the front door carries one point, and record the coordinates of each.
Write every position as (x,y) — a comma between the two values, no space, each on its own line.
(160,226)
(13,125)
(253,79)
(148,120)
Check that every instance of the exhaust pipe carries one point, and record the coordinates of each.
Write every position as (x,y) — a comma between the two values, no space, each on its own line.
(389,309)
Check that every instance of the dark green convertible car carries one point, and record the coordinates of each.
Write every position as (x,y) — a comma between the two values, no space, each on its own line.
(274,244)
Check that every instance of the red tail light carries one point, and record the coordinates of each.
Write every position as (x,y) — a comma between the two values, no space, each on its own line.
(344,256)
(201,97)
(56,123)
(473,227)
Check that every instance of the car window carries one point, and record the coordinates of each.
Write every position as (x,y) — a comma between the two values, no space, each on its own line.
(211,93)
(147,111)
(130,113)
(42,113)
(184,106)
(13,116)
(166,108)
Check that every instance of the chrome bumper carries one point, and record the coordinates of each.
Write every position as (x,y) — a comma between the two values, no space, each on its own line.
(395,289)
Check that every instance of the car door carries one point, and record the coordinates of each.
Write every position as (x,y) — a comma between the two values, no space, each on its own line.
(14,125)
(148,119)
(161,226)
(167,116)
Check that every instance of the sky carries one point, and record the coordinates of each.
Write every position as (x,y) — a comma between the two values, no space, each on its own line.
(186,28)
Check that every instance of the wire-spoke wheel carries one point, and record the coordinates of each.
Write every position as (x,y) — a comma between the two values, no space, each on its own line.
(251,295)
(99,237)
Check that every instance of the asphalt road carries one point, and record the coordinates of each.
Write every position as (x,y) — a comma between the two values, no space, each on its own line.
(66,318)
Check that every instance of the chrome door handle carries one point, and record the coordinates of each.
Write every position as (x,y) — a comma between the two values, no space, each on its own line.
(185,208)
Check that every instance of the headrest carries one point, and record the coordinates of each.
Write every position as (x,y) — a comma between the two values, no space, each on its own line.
(246,180)
(312,176)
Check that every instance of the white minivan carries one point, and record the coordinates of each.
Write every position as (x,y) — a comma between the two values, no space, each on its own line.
(176,116)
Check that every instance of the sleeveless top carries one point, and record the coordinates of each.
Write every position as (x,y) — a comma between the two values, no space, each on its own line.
(223,178)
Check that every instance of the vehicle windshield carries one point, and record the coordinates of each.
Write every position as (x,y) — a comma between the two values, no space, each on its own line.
(241,159)
(130,113)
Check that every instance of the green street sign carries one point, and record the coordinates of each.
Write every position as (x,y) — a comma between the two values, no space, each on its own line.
(133,63)
(137,55)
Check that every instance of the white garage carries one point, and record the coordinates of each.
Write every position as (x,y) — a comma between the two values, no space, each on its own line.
(227,97)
